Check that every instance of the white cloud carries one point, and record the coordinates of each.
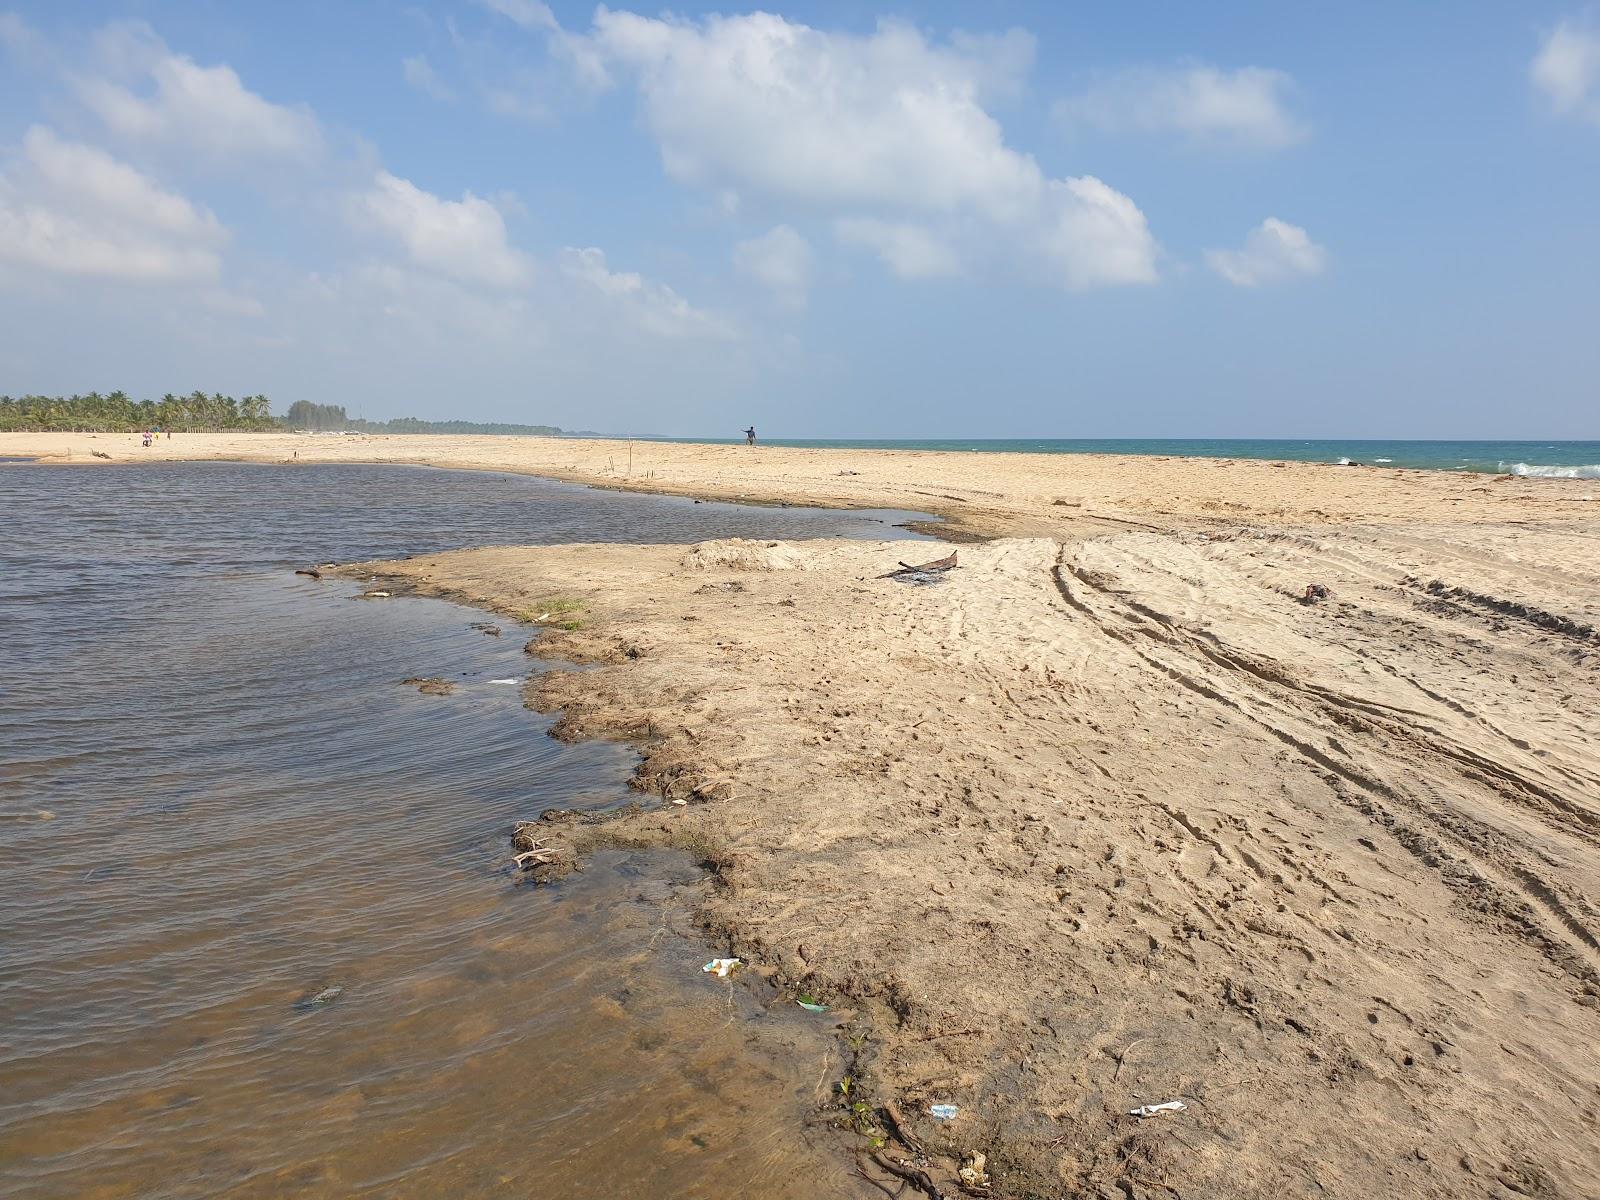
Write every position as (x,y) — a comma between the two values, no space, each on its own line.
(829,118)
(419,73)
(203,110)
(529,14)
(508,102)
(463,239)
(1244,107)
(1567,71)
(73,209)
(910,251)
(235,304)
(1273,251)
(435,292)
(18,37)
(75,172)
(781,260)
(654,307)
(885,125)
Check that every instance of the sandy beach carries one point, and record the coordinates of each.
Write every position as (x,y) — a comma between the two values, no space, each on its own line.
(992,495)
(1111,814)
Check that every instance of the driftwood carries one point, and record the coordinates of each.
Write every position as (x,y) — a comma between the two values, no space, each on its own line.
(937,566)
(912,1174)
(897,1126)
(311,571)
(100,454)
(539,856)
(530,851)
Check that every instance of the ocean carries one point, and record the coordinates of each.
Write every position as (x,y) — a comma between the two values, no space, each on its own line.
(1536,459)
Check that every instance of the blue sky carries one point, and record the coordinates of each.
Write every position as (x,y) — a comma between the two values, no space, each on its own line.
(830,220)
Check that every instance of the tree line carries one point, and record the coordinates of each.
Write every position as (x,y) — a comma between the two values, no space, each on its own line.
(117,412)
(303,414)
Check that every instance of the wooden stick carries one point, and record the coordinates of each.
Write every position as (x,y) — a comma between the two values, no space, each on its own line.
(898,1125)
(915,1176)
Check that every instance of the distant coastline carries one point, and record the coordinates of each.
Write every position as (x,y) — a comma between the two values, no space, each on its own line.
(1531,458)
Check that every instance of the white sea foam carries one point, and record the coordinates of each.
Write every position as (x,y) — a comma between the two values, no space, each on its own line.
(1542,471)
(1383,460)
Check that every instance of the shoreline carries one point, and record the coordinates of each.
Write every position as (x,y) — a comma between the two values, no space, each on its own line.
(986,494)
(867,852)
(1115,813)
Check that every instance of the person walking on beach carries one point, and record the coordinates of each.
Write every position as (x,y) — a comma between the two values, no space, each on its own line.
(750,436)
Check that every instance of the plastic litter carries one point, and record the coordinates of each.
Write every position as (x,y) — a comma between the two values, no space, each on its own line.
(321,1000)
(513,682)
(1151,1110)
(375,595)
(722,967)
(944,1112)
(811,1004)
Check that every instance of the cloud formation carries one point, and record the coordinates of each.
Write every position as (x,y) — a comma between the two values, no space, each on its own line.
(203,110)
(419,73)
(781,260)
(653,307)
(71,209)
(17,36)
(1273,252)
(461,239)
(1567,71)
(1246,107)
(529,14)
(885,126)
(911,251)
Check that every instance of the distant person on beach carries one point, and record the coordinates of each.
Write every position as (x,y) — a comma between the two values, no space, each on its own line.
(750,436)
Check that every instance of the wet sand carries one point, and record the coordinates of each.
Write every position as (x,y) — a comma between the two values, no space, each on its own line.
(1110,815)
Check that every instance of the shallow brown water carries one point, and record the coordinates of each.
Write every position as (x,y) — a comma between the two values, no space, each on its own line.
(217,801)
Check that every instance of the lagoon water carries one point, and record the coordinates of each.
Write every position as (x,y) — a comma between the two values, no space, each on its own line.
(217,803)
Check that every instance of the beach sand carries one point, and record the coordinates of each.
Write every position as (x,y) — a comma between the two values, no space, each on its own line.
(1110,815)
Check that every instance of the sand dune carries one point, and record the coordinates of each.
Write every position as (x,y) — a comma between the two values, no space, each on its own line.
(1111,816)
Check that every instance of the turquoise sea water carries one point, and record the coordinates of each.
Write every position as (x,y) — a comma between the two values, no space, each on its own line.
(1558,460)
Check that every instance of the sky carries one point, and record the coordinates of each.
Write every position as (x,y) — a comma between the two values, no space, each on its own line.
(929,220)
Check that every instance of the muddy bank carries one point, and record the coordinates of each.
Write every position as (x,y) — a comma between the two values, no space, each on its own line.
(1099,823)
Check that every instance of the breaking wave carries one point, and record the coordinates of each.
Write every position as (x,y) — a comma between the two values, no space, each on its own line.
(1541,471)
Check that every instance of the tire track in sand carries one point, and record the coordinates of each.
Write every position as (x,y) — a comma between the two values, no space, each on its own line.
(1489,877)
